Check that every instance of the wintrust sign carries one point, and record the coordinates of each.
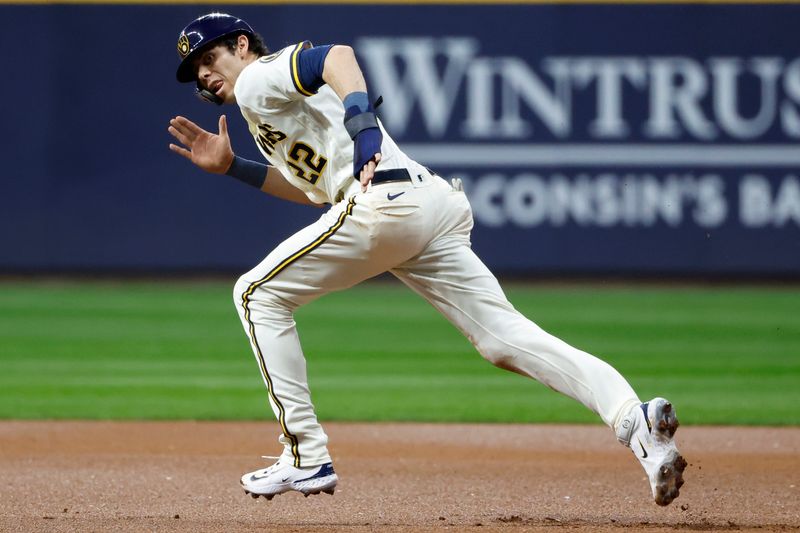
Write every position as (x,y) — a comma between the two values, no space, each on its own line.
(598,141)
(460,93)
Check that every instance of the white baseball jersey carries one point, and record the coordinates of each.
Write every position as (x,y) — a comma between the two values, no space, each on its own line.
(418,229)
(301,133)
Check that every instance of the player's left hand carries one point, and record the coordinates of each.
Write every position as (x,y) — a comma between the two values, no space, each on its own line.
(368,172)
(367,155)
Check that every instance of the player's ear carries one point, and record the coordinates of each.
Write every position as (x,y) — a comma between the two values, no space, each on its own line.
(242,45)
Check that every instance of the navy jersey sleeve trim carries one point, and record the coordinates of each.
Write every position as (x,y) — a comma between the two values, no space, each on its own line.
(307,65)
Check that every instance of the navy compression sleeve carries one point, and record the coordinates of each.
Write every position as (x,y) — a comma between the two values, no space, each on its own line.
(250,172)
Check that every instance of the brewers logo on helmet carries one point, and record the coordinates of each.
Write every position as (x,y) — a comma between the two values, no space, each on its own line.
(183,46)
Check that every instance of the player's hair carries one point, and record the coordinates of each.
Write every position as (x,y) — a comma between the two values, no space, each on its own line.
(256,45)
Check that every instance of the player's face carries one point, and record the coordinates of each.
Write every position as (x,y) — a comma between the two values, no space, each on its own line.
(218,69)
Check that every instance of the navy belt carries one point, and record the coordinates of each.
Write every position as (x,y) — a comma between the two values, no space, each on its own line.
(395,174)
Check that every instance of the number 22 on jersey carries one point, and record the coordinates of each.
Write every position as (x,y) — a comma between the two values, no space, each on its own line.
(305,163)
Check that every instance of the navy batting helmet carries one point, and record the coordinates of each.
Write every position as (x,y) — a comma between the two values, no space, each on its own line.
(199,33)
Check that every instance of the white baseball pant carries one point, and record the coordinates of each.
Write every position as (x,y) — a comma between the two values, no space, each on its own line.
(422,236)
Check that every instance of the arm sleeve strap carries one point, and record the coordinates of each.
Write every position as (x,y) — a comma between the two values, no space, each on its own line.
(358,114)
(358,123)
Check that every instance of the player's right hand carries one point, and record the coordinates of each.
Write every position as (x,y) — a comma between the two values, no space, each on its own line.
(209,151)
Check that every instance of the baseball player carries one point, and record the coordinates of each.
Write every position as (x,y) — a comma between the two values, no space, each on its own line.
(308,111)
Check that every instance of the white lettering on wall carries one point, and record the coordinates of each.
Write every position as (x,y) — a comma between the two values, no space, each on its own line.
(606,200)
(421,83)
(760,205)
(726,73)
(609,75)
(448,87)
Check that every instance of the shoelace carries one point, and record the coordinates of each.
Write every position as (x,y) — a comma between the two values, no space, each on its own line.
(270,468)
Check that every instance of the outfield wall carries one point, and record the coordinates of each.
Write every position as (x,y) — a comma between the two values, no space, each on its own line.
(619,138)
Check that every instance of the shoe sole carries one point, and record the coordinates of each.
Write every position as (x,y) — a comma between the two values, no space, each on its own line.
(670,473)
(268,497)
(305,488)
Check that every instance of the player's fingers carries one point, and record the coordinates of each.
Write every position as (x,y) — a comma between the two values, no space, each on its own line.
(372,164)
(189,125)
(180,136)
(223,126)
(366,174)
(181,128)
(182,151)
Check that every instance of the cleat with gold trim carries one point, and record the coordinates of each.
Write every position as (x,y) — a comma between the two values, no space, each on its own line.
(649,431)
(280,478)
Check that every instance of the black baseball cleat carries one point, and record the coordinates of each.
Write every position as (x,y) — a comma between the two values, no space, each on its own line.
(280,478)
(649,431)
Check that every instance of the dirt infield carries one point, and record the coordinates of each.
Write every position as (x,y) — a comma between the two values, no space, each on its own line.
(163,476)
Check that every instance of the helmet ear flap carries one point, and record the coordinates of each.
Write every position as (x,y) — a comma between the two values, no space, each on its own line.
(207,96)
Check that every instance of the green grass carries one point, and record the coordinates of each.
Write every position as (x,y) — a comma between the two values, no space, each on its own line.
(378,352)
